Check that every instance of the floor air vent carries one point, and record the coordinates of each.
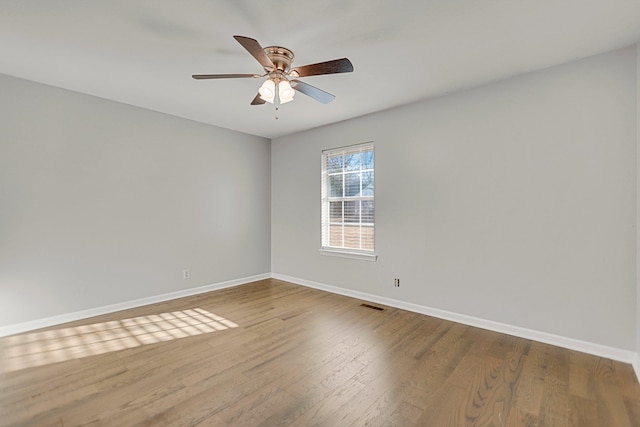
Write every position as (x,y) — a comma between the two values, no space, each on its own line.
(372,307)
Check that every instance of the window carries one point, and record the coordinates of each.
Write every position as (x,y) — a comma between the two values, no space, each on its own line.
(347,199)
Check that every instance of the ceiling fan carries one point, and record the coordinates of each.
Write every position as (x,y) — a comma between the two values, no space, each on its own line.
(282,82)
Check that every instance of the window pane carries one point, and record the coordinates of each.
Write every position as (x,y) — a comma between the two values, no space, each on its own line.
(335,164)
(352,162)
(367,160)
(335,211)
(352,236)
(367,183)
(367,211)
(367,237)
(335,235)
(335,186)
(352,211)
(352,186)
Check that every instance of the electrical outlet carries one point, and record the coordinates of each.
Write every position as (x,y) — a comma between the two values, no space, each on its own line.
(396,283)
(186,274)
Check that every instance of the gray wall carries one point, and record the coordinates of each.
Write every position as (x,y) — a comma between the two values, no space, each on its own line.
(637,209)
(102,203)
(513,202)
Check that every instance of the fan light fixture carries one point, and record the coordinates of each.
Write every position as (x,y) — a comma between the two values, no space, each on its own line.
(268,91)
(285,92)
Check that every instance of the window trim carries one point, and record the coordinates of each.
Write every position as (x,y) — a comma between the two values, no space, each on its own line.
(361,254)
(346,253)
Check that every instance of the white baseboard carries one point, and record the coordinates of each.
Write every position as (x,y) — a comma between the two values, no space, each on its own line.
(636,365)
(92,312)
(600,350)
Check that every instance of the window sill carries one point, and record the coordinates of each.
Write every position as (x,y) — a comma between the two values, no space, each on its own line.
(348,254)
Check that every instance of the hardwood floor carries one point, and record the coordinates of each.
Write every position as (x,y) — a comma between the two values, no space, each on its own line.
(271,353)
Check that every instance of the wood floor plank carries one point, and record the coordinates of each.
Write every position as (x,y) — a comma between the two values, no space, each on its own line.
(555,409)
(611,405)
(489,399)
(633,409)
(584,412)
(406,414)
(442,408)
(581,376)
(627,380)
(518,418)
(528,396)
(274,353)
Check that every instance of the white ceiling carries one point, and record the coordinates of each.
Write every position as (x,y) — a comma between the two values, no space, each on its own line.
(143,52)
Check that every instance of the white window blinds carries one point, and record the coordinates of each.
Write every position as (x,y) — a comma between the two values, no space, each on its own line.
(348,198)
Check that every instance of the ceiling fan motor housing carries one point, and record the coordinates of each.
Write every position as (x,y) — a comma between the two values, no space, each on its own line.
(280,56)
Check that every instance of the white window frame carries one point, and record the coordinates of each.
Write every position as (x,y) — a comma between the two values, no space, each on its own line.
(341,251)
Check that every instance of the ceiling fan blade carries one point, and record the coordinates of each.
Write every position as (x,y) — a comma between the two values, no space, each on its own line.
(257,100)
(342,65)
(223,76)
(312,91)
(253,47)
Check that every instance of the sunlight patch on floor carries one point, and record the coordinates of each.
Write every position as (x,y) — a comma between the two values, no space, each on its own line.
(59,345)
